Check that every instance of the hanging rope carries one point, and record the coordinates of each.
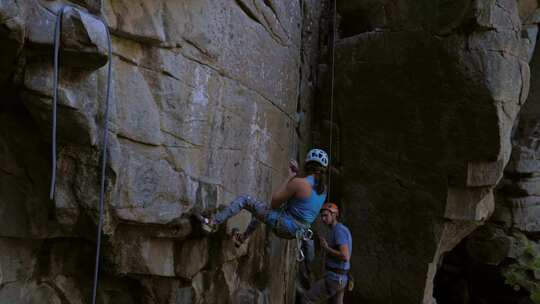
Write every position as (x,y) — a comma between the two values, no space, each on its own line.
(57,31)
(332,101)
(295,151)
(300,256)
(103,161)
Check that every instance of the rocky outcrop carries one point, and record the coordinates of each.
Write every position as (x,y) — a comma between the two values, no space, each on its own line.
(210,99)
(495,264)
(426,95)
(498,263)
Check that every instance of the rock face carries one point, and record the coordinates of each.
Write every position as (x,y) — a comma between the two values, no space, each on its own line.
(426,94)
(497,263)
(210,99)
(205,106)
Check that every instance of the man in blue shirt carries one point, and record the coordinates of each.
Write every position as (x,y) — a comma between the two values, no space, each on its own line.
(338,248)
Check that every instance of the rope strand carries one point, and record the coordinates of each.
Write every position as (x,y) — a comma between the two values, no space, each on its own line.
(103,162)
(56,63)
(57,31)
(295,137)
(332,102)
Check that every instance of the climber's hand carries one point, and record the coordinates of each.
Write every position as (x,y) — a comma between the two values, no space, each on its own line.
(323,242)
(293,168)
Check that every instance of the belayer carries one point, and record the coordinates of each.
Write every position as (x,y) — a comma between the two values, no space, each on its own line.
(294,207)
(338,248)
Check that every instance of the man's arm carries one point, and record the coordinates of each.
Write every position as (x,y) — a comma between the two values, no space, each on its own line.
(342,253)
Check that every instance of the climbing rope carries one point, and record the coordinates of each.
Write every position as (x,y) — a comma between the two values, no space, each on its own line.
(57,26)
(300,256)
(57,31)
(309,235)
(334,32)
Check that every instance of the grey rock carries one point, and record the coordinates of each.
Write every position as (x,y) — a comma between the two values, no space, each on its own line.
(17,260)
(191,257)
(140,20)
(497,14)
(29,293)
(77,100)
(419,166)
(489,245)
(144,255)
(83,37)
(184,295)
(524,213)
(42,293)
(135,110)
(202,108)
(12,37)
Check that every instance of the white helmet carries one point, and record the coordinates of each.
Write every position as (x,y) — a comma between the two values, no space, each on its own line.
(319,156)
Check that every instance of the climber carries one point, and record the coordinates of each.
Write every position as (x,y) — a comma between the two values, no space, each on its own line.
(338,250)
(295,204)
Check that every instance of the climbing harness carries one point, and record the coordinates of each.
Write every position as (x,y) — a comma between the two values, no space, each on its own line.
(57,31)
(302,235)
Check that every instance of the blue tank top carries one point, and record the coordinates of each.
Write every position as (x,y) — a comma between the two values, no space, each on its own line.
(306,210)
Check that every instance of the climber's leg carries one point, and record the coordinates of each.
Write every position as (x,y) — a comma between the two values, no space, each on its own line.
(324,289)
(281,224)
(258,210)
(251,227)
(338,297)
(317,293)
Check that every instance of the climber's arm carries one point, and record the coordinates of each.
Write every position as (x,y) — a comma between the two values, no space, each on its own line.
(285,191)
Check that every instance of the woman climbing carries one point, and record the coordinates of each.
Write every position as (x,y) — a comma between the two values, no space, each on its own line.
(295,204)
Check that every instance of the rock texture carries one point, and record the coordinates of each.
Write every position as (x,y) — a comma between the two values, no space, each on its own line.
(496,263)
(427,94)
(210,99)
